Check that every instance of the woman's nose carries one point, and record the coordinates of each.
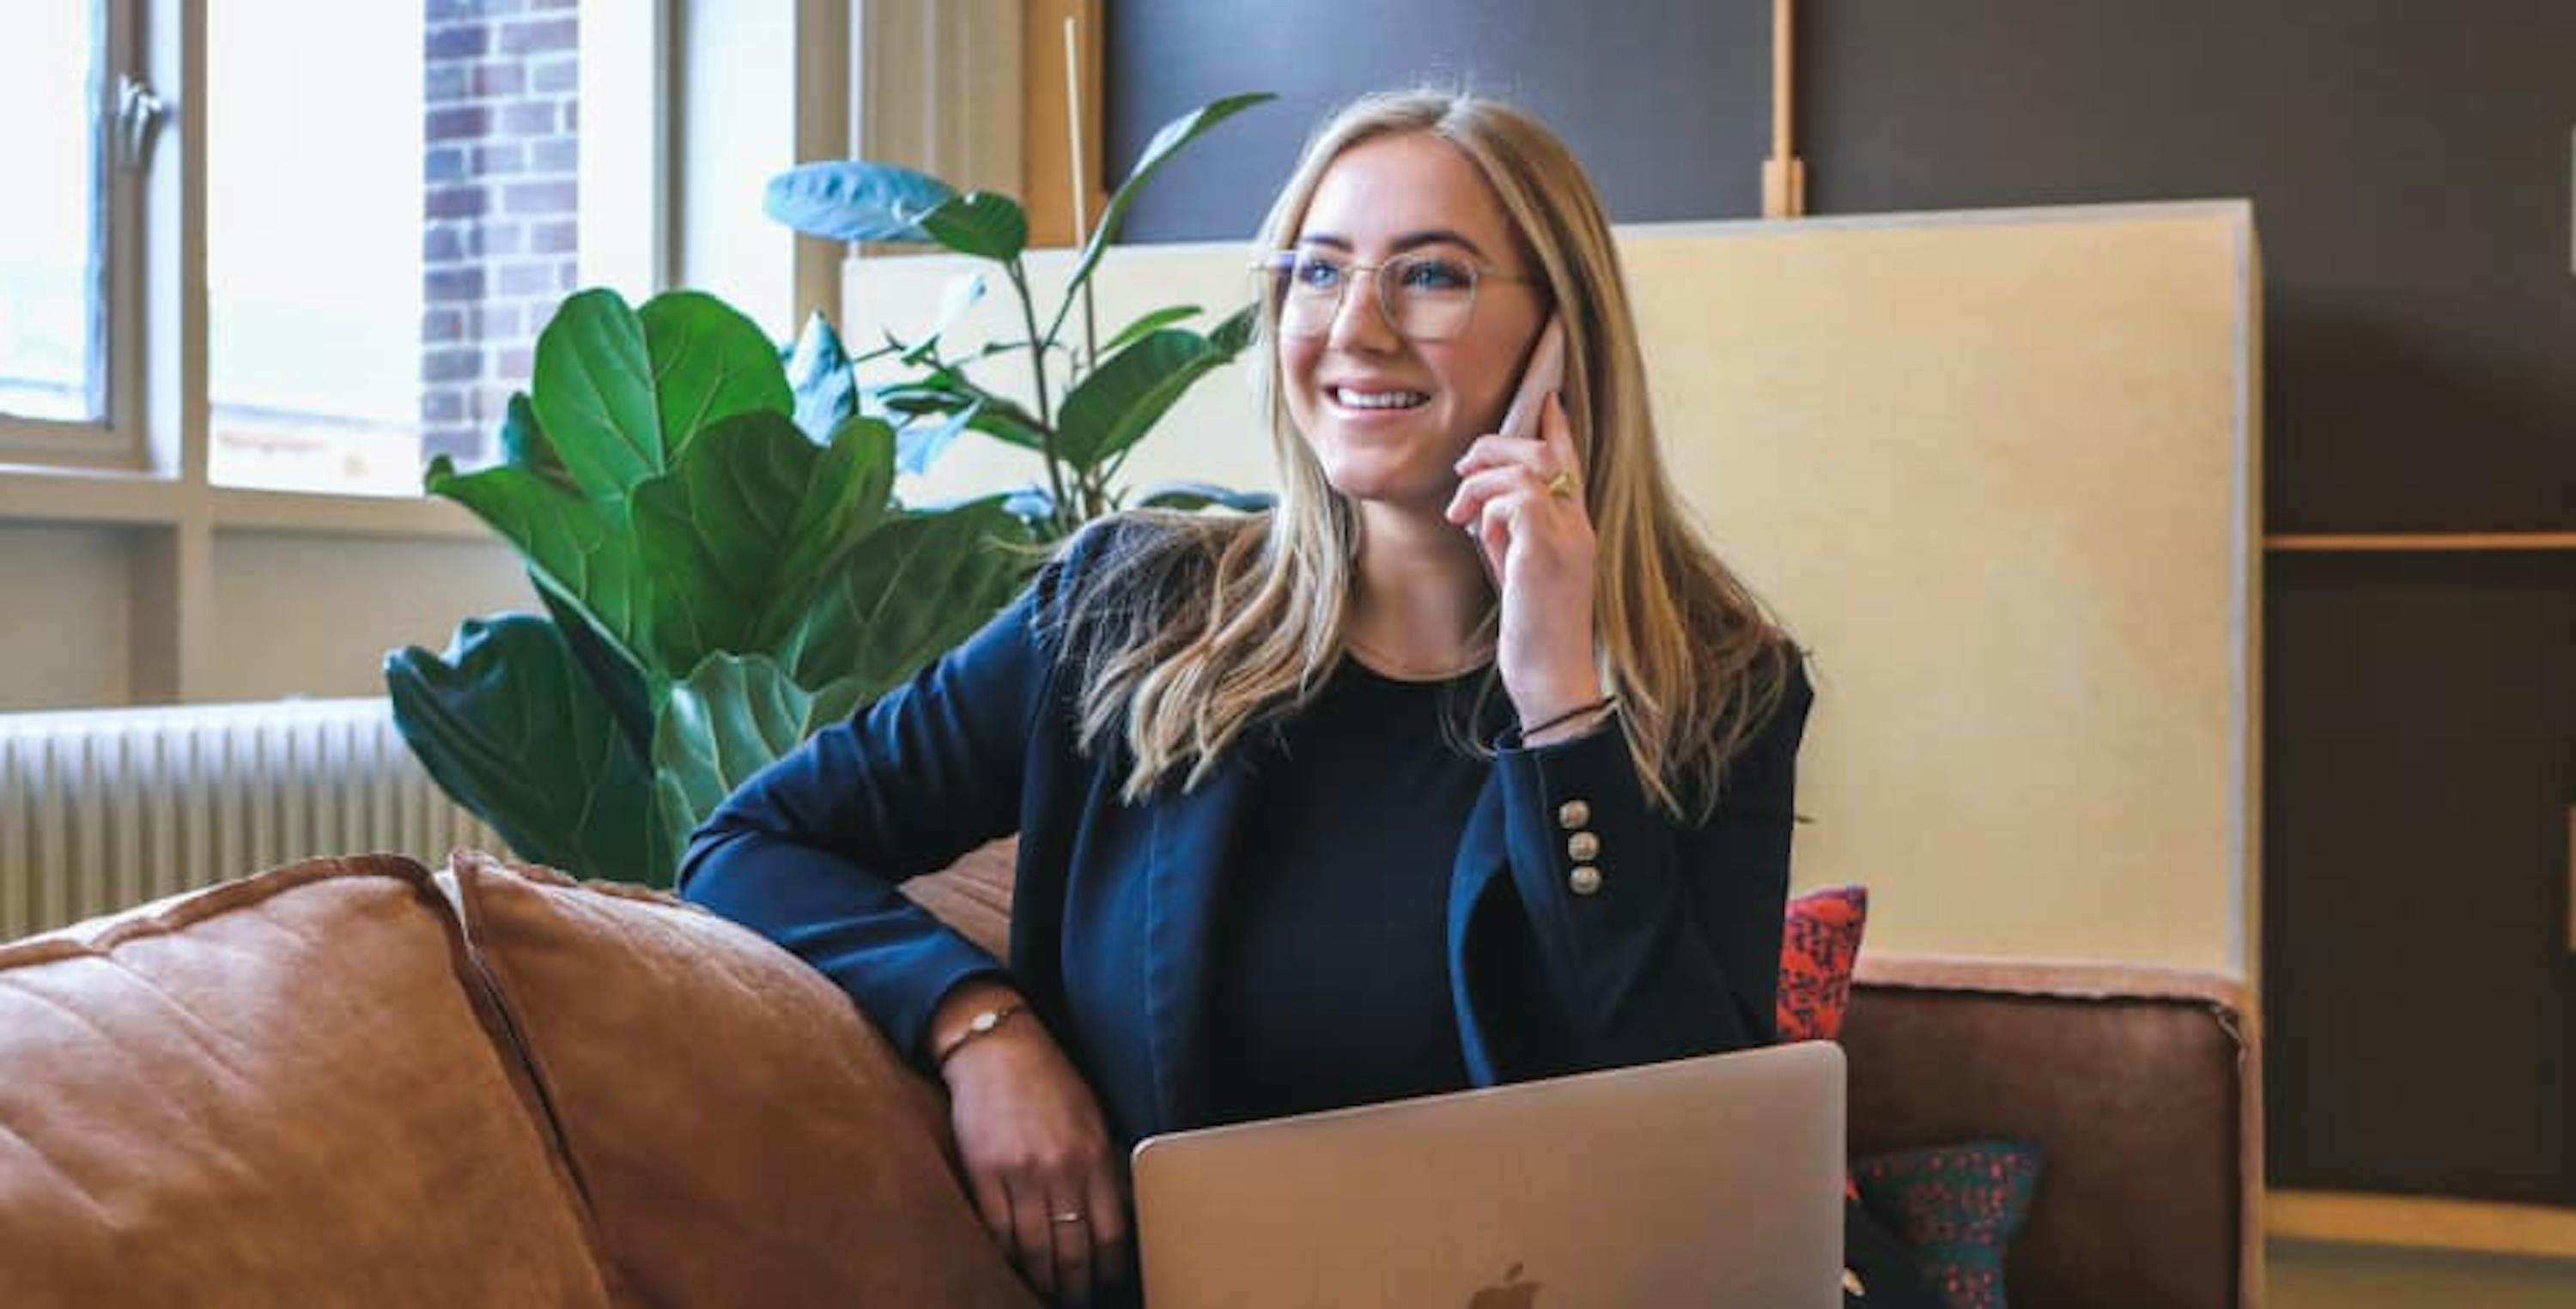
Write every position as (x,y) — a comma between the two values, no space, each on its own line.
(1359,321)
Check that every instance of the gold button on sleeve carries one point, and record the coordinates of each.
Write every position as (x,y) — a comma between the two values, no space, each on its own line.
(1573,814)
(1584,880)
(1583,847)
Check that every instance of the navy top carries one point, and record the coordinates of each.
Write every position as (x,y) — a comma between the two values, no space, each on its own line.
(1328,983)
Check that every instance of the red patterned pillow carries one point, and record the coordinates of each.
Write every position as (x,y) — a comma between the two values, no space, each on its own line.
(1819,940)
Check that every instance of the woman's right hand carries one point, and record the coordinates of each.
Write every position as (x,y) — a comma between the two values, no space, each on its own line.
(1036,1150)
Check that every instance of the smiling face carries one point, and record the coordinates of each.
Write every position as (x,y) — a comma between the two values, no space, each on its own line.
(1387,416)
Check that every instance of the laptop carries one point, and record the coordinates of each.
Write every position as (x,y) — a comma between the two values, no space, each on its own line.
(1709,1181)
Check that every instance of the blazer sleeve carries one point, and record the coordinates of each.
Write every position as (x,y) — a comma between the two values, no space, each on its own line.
(1652,939)
(809,851)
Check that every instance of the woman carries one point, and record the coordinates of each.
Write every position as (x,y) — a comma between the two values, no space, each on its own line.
(1466,763)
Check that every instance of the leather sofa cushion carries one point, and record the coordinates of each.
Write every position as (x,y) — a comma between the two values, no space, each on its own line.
(973,895)
(2140,1084)
(272,1092)
(742,1134)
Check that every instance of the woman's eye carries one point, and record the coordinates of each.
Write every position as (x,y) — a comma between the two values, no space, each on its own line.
(1318,273)
(1437,275)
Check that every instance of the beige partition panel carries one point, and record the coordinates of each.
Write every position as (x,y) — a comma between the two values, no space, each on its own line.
(1997,469)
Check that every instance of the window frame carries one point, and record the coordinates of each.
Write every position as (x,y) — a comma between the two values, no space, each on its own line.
(114,440)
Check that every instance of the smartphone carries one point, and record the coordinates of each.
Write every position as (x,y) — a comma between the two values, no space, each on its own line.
(1544,376)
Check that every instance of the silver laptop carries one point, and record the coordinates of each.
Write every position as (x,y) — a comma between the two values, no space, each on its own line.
(1712,1181)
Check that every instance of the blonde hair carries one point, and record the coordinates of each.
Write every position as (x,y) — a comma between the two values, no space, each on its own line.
(1201,627)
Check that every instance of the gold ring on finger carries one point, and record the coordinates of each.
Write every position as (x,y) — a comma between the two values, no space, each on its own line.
(1069,1216)
(1561,486)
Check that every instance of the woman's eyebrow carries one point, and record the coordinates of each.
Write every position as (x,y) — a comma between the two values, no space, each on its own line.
(1408,241)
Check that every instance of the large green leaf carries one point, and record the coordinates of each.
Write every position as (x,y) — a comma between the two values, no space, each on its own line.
(735,537)
(618,393)
(980,223)
(570,541)
(727,721)
(709,364)
(1158,151)
(855,200)
(917,586)
(1121,400)
(818,372)
(593,394)
(512,728)
(620,681)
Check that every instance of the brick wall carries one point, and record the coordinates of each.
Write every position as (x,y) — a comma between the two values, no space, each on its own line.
(498,228)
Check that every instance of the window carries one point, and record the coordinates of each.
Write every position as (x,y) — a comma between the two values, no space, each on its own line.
(387,230)
(54,252)
(381,205)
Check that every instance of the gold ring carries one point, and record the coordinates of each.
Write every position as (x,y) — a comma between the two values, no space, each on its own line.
(1561,486)
(1070,1216)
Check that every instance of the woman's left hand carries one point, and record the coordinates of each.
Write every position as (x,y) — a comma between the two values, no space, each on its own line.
(1539,547)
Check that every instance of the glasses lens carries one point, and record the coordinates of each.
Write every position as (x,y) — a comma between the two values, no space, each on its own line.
(1309,293)
(1428,296)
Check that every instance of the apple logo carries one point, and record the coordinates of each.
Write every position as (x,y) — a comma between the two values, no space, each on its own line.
(1512,1294)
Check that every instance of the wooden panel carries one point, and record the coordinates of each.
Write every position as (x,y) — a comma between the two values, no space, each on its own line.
(2304,1274)
(2399,542)
(2420,757)
(1046,145)
(2421,1222)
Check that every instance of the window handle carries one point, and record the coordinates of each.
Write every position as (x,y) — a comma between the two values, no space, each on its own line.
(138,114)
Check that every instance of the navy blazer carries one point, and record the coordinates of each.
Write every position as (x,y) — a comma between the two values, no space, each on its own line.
(1674,952)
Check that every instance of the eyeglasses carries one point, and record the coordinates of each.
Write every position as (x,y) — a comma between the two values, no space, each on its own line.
(1426,296)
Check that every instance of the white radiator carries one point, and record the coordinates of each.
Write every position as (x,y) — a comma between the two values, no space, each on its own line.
(101,810)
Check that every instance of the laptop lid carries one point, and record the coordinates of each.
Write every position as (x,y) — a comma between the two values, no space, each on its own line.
(1710,1181)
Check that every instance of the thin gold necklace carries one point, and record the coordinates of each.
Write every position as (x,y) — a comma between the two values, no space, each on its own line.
(1394,666)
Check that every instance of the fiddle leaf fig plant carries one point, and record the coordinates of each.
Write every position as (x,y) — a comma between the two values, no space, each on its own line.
(711,527)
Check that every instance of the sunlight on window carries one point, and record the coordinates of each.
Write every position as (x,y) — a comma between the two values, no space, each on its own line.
(387,230)
(313,212)
(50,284)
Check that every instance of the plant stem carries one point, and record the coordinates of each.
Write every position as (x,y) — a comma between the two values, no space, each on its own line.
(1046,410)
(1090,328)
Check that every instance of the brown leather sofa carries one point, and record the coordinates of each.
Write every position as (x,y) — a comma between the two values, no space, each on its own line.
(355,1081)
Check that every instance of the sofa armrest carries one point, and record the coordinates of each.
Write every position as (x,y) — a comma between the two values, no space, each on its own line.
(2143,1085)
(973,894)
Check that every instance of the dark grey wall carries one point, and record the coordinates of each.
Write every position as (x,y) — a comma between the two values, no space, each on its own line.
(2409,165)
(1644,93)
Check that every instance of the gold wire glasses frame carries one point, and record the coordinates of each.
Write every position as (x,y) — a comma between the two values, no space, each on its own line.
(1426,296)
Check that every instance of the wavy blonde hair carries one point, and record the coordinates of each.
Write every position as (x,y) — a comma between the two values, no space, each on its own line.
(1201,627)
